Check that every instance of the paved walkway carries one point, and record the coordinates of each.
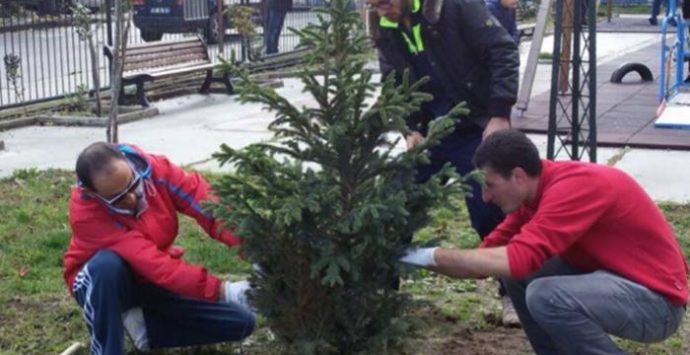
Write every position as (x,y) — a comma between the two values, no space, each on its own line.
(190,129)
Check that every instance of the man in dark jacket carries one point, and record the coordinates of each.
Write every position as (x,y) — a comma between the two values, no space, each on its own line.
(468,57)
(274,12)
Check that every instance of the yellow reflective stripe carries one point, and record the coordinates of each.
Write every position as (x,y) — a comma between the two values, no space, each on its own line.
(416,5)
(410,46)
(385,22)
(417,32)
(418,45)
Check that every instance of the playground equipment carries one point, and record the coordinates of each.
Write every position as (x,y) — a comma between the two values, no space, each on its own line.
(674,96)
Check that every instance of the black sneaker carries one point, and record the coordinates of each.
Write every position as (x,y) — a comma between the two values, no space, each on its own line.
(652,21)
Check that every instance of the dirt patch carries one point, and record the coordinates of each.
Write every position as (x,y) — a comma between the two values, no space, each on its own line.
(497,341)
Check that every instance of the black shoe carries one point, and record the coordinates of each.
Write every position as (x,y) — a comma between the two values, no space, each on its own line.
(687,79)
(652,21)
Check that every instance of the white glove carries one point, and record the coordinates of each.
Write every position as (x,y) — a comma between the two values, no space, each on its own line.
(419,256)
(236,292)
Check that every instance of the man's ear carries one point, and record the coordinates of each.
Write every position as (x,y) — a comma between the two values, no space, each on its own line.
(520,174)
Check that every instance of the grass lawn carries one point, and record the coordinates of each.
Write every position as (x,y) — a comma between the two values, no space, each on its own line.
(37,316)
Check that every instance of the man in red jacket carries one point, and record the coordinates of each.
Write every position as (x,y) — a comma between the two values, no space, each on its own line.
(122,266)
(584,250)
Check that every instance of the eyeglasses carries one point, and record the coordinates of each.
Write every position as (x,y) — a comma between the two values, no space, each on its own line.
(133,186)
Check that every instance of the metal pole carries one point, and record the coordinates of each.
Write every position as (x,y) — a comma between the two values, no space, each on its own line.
(109,21)
(592,27)
(533,57)
(555,64)
(575,122)
(221,27)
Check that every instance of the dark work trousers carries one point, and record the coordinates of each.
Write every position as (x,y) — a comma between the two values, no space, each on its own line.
(272,27)
(105,288)
(458,149)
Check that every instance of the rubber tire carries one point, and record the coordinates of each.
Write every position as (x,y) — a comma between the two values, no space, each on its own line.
(151,36)
(641,69)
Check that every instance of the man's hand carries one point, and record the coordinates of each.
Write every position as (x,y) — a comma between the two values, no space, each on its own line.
(510,4)
(495,124)
(423,257)
(413,139)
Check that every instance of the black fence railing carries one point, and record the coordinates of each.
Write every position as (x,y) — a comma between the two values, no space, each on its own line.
(53,62)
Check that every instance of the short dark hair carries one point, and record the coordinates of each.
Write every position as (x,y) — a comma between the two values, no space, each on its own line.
(506,150)
(95,159)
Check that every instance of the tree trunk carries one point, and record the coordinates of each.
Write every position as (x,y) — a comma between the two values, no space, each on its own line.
(96,77)
(120,45)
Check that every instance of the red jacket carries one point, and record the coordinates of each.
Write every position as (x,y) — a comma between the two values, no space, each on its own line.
(595,218)
(145,242)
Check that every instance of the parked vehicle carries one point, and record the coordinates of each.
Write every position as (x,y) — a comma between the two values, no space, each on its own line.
(157,17)
(47,7)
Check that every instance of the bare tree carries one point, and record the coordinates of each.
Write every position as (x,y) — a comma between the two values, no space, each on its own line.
(122,23)
(86,33)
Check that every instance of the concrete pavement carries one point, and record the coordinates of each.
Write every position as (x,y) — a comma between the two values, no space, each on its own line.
(190,129)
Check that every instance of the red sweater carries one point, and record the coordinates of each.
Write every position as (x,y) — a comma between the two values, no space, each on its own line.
(595,218)
(146,243)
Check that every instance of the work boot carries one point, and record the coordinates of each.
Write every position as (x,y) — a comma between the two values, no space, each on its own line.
(133,320)
(509,317)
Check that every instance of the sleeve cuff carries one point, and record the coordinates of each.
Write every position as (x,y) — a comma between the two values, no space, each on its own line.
(500,109)
(229,238)
(211,290)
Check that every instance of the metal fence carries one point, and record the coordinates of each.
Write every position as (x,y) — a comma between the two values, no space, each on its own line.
(54,62)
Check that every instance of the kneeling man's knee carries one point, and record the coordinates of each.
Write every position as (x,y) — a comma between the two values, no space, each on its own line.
(106,263)
(544,300)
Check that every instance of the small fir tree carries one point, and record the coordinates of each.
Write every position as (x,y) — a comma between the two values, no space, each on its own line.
(327,207)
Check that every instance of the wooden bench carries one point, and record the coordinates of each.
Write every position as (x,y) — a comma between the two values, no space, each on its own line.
(164,59)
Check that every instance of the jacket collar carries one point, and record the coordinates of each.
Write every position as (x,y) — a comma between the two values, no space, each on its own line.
(431,11)
(136,159)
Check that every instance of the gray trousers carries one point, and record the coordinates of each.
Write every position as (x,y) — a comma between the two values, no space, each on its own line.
(565,311)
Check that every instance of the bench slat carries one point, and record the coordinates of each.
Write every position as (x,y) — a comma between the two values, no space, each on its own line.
(170,47)
(153,61)
(173,71)
(156,72)
(144,45)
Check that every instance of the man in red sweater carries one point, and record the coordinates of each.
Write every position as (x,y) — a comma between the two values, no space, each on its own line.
(121,264)
(584,249)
